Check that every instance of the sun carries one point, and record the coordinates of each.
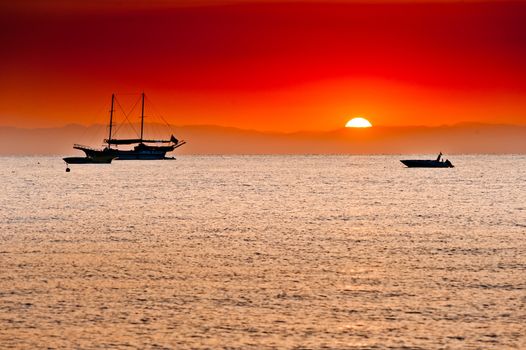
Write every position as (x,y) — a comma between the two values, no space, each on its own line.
(358,123)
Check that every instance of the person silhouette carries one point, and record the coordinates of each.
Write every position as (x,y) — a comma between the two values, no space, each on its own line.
(438,158)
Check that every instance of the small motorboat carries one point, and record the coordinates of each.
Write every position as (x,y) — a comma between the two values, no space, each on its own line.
(103,159)
(428,163)
(99,159)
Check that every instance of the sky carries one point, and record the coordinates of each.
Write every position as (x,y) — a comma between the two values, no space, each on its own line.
(265,65)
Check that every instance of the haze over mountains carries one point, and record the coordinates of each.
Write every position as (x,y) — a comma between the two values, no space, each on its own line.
(206,139)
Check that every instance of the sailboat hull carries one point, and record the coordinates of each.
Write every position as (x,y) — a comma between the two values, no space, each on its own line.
(137,155)
(139,152)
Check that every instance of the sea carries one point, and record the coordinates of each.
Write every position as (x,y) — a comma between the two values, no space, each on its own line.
(263,252)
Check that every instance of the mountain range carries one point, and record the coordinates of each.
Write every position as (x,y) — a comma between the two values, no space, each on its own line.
(465,138)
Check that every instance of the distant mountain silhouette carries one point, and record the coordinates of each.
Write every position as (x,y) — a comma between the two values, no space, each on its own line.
(208,139)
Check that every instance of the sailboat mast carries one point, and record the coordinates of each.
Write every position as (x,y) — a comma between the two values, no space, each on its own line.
(111,118)
(142,117)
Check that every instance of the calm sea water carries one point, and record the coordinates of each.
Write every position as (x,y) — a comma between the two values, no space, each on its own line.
(263,252)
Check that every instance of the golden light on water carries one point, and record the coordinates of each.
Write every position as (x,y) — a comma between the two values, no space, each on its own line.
(358,123)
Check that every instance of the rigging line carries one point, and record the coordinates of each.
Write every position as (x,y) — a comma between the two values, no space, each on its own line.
(129,115)
(133,107)
(151,124)
(160,115)
(157,126)
(158,129)
(131,110)
(126,116)
(156,123)
(123,112)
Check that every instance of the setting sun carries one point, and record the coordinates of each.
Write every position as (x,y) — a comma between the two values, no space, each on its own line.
(358,123)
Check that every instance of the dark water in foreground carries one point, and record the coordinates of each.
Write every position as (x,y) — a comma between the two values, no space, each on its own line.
(263,252)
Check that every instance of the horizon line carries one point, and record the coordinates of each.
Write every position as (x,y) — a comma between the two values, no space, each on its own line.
(383,126)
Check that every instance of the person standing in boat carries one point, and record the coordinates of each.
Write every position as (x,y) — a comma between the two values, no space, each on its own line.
(438,158)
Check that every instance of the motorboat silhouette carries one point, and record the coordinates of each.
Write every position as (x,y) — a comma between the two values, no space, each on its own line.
(428,163)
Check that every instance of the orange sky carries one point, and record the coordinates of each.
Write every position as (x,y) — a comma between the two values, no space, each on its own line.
(273,65)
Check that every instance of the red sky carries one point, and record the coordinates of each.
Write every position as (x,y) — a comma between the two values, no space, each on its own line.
(273,65)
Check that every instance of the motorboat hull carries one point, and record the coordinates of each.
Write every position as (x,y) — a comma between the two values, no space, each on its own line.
(424,163)
(89,160)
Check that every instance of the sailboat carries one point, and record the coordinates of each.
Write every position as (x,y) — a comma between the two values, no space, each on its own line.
(144,149)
